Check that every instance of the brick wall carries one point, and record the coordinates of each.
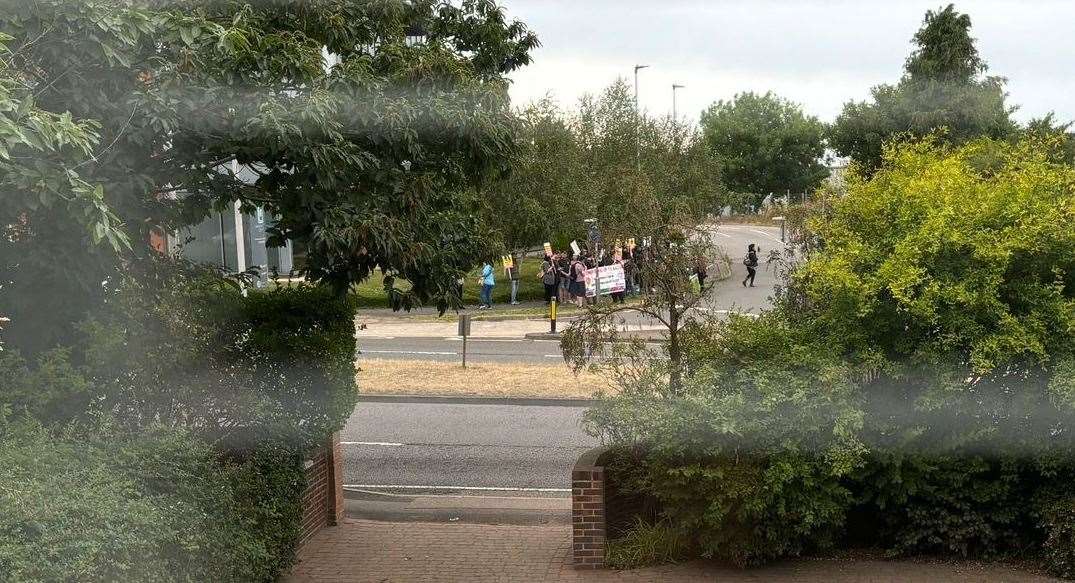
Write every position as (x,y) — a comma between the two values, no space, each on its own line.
(588,512)
(322,502)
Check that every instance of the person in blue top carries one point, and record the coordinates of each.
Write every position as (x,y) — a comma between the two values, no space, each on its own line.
(487,281)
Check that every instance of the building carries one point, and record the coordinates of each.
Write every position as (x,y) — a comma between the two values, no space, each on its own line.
(235,242)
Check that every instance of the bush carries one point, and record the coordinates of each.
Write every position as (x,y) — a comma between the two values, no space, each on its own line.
(1057,521)
(750,511)
(918,369)
(178,358)
(960,505)
(647,544)
(158,507)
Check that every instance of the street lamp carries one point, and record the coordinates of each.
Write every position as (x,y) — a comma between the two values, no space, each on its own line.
(675,113)
(637,69)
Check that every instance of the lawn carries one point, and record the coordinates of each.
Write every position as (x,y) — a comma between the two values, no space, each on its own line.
(553,380)
(370,293)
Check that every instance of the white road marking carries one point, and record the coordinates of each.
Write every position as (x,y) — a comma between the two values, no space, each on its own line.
(725,235)
(410,352)
(764,234)
(463,488)
(373,444)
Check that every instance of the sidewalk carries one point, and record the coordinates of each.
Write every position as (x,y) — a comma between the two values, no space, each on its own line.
(410,328)
(364,551)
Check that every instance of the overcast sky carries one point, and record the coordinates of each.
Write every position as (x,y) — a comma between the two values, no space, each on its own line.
(819,53)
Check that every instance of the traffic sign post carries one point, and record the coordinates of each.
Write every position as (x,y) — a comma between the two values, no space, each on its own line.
(464,331)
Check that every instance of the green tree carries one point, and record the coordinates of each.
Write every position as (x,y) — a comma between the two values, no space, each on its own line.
(371,163)
(603,161)
(942,87)
(766,143)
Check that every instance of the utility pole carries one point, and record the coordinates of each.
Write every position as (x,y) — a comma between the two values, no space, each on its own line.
(638,122)
(675,111)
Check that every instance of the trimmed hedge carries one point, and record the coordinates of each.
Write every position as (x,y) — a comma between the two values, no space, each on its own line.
(161,506)
(170,438)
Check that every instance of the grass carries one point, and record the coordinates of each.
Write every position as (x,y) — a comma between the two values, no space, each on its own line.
(370,293)
(390,377)
(647,545)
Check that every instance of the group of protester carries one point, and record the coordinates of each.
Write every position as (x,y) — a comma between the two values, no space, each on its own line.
(564,275)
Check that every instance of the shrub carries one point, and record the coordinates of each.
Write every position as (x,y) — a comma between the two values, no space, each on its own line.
(959,505)
(158,507)
(920,363)
(1057,521)
(646,545)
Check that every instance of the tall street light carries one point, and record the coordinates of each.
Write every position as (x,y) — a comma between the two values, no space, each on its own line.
(675,113)
(637,69)
(638,121)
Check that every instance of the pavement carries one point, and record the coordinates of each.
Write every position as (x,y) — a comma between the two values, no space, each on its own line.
(363,551)
(457,447)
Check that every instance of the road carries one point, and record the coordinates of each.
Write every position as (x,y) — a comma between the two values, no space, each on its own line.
(727,295)
(436,448)
(450,349)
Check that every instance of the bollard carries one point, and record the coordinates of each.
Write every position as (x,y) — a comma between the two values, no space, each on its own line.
(552,315)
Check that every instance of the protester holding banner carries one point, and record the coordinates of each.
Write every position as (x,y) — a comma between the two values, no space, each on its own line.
(511,269)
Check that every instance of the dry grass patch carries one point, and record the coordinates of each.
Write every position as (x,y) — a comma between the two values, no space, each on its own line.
(392,377)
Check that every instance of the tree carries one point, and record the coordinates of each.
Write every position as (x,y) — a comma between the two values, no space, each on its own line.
(664,266)
(602,161)
(371,163)
(766,144)
(942,87)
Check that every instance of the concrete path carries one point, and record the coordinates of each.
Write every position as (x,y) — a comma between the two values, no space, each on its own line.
(364,551)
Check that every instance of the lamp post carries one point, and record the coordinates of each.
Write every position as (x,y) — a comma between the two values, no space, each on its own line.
(675,113)
(638,123)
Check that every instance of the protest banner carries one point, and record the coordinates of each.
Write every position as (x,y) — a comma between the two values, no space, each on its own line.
(611,278)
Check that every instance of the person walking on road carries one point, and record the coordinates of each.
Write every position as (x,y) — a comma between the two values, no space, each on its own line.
(487,281)
(513,276)
(701,269)
(751,263)
(550,278)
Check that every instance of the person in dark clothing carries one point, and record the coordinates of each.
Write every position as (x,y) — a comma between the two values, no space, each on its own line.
(549,278)
(751,263)
(701,269)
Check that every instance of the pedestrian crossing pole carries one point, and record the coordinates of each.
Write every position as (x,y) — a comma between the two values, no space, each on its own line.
(552,315)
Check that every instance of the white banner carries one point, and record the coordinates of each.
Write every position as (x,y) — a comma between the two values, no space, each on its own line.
(612,280)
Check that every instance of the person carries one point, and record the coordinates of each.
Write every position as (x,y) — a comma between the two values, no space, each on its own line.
(578,281)
(751,262)
(620,297)
(513,276)
(487,281)
(563,276)
(701,270)
(550,278)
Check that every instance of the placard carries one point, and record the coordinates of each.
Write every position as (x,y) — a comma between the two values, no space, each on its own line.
(612,279)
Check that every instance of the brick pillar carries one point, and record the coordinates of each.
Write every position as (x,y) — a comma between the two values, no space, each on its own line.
(335,481)
(588,512)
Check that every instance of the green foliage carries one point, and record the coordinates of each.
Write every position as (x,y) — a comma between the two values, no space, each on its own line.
(369,164)
(916,369)
(766,145)
(1057,516)
(604,161)
(956,505)
(646,545)
(942,88)
(159,507)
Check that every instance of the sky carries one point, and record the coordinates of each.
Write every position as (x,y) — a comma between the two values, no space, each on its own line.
(818,53)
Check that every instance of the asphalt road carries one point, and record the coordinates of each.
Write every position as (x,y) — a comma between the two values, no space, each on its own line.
(428,448)
(450,350)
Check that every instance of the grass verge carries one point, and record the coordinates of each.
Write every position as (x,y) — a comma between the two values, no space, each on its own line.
(554,381)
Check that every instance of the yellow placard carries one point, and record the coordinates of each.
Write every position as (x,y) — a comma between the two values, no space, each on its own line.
(548,248)
(508,261)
